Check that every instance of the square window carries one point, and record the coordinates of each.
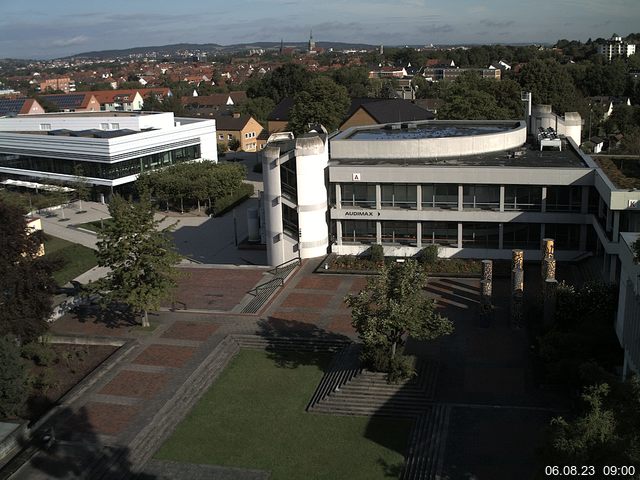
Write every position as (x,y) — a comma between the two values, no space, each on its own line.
(45,126)
(229,137)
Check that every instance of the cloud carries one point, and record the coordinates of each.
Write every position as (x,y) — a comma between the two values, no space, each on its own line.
(497,24)
(69,42)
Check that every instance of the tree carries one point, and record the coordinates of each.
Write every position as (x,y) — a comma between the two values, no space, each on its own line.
(141,258)
(259,108)
(12,377)
(284,81)
(550,83)
(323,102)
(354,79)
(393,307)
(26,285)
(81,185)
(234,144)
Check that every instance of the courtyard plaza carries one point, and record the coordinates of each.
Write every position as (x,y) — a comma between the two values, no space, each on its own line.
(496,413)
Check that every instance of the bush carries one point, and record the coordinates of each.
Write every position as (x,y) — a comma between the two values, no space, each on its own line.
(378,359)
(224,204)
(429,254)
(39,352)
(44,381)
(12,377)
(376,253)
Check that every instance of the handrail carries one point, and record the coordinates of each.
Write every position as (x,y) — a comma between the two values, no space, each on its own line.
(257,289)
(277,269)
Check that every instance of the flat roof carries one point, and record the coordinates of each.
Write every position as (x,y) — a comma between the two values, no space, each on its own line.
(89,114)
(411,131)
(528,156)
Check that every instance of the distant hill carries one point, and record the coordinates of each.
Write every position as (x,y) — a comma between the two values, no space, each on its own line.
(213,48)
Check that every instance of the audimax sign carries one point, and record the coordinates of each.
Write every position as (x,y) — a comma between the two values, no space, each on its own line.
(361,213)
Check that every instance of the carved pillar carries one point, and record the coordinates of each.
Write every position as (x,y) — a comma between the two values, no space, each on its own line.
(517,287)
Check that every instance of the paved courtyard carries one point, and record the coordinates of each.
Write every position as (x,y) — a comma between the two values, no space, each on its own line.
(485,371)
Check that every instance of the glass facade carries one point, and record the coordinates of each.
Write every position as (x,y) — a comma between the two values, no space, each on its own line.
(522,198)
(359,195)
(442,233)
(288,179)
(399,195)
(480,235)
(290,221)
(564,199)
(566,236)
(108,171)
(524,236)
(355,231)
(485,197)
(440,195)
(403,233)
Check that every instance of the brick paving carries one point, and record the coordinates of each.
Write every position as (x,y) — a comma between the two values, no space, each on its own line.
(190,330)
(214,288)
(165,355)
(135,384)
(479,365)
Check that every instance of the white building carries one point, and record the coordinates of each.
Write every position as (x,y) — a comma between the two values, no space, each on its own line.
(112,148)
(615,47)
(478,189)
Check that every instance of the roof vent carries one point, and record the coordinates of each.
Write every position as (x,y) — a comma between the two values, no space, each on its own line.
(411,126)
(396,126)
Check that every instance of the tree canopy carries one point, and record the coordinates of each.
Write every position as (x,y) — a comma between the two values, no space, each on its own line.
(323,102)
(393,307)
(140,256)
(26,285)
(284,81)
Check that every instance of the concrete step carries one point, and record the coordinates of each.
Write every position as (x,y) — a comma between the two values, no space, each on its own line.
(384,411)
(425,455)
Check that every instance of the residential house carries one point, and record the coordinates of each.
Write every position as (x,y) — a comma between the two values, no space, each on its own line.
(73,102)
(372,111)
(19,106)
(243,128)
(64,84)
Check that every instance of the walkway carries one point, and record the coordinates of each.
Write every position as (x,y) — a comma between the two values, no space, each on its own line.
(490,410)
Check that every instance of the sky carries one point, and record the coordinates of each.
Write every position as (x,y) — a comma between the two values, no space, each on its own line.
(41,29)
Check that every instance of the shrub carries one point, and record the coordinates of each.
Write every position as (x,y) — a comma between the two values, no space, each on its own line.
(376,253)
(378,359)
(224,204)
(12,377)
(429,254)
(44,381)
(40,353)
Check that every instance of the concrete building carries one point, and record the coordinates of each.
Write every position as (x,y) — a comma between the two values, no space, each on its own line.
(112,148)
(478,189)
(615,47)
(65,84)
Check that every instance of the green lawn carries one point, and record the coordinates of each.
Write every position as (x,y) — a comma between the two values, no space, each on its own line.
(75,259)
(95,226)
(253,417)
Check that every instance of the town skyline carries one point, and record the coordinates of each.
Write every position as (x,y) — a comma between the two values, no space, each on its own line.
(33,31)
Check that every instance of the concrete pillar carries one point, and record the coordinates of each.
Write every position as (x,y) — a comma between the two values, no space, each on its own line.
(613,270)
(582,244)
(338,196)
(544,199)
(501,236)
(339,232)
(616,226)
(419,197)
(459,235)
(379,232)
(419,235)
(460,197)
(273,205)
(609,220)
(378,196)
(584,202)
(502,199)
(542,229)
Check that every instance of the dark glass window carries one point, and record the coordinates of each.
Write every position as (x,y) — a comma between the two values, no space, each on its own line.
(440,195)
(524,236)
(564,199)
(442,233)
(480,235)
(486,197)
(522,198)
(403,233)
(290,221)
(358,231)
(109,171)
(359,195)
(399,195)
(288,179)
(566,236)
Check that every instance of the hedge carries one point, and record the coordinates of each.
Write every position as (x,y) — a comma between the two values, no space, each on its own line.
(224,204)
